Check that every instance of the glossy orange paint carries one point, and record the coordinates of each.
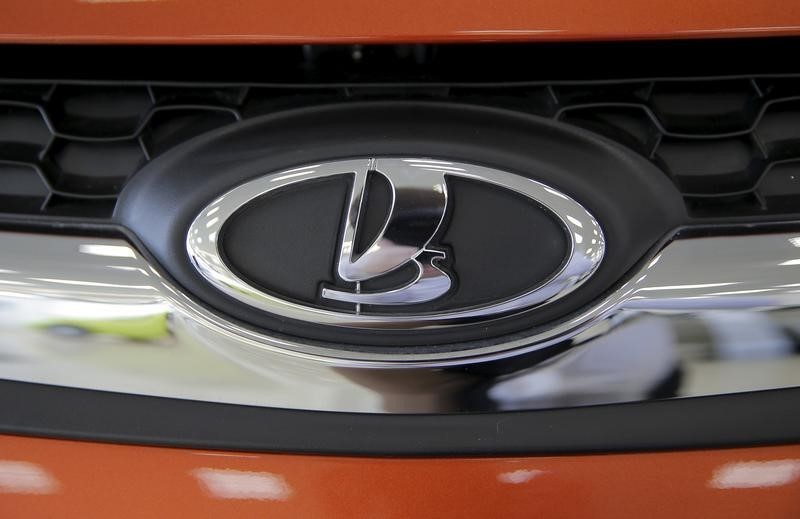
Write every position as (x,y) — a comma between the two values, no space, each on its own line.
(314,21)
(68,479)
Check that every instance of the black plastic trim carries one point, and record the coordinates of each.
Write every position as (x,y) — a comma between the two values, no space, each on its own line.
(485,62)
(736,420)
(635,203)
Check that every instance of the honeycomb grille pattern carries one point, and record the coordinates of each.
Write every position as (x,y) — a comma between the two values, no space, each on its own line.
(731,146)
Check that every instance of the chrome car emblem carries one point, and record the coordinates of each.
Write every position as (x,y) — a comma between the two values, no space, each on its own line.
(418,208)
(419,201)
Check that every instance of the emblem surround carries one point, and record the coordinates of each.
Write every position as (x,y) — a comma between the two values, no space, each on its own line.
(585,239)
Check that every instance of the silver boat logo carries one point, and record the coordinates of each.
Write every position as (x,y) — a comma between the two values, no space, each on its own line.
(419,201)
(417,212)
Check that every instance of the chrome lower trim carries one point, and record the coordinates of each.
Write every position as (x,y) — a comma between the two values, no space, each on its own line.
(698,317)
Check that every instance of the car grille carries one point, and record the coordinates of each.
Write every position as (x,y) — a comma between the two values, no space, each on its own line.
(105,298)
(731,145)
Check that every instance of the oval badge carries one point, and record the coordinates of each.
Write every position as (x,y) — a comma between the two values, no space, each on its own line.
(395,243)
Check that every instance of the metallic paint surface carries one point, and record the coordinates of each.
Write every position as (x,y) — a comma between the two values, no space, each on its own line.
(54,478)
(362,21)
(69,479)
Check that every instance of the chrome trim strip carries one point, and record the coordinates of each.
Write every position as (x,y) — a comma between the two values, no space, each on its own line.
(93,313)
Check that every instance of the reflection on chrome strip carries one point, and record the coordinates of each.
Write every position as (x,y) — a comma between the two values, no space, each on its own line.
(704,316)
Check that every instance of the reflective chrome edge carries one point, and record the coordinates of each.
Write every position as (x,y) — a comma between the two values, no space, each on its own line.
(686,275)
(585,238)
(92,313)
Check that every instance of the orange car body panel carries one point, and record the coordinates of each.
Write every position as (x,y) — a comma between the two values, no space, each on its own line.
(69,479)
(273,21)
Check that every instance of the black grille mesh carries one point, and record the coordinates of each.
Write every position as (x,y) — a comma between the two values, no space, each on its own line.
(732,146)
